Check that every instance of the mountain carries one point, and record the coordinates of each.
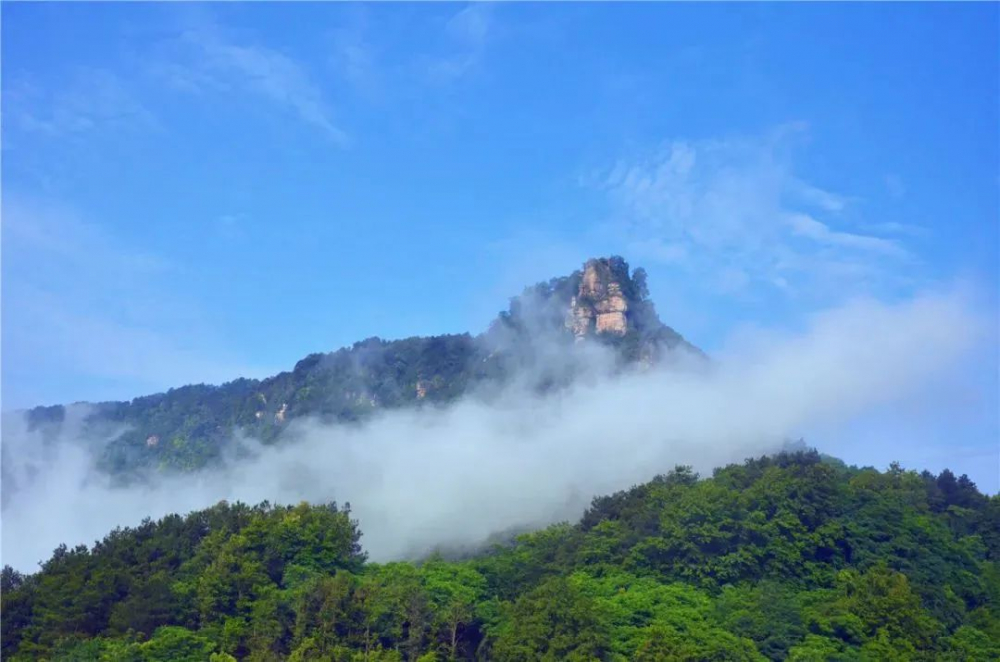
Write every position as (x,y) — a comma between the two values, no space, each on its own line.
(540,338)
(791,556)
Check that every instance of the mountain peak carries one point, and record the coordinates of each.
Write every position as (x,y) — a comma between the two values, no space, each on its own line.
(605,301)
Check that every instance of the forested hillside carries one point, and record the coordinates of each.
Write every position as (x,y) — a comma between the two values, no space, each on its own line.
(793,556)
(189,427)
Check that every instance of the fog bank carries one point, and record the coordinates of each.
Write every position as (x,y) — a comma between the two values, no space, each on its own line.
(417,479)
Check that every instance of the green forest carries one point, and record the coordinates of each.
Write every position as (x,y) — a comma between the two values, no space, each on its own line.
(792,556)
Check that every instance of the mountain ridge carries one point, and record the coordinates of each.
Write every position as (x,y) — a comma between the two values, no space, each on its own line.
(604,303)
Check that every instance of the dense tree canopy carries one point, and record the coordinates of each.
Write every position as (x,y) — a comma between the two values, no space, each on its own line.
(786,557)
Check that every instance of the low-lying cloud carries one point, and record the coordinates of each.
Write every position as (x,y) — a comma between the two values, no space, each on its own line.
(429,477)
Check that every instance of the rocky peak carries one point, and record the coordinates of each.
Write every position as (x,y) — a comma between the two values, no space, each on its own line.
(601,304)
(605,300)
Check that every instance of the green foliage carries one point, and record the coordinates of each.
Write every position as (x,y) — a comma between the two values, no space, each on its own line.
(555,621)
(791,556)
(176,644)
(189,427)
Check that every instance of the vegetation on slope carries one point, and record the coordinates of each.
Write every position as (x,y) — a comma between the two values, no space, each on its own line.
(189,427)
(783,557)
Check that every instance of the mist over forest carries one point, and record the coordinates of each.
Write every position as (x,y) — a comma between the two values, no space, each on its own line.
(499,332)
(511,458)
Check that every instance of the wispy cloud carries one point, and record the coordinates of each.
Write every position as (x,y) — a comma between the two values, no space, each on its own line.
(893,227)
(467,36)
(804,225)
(46,236)
(211,60)
(89,99)
(816,196)
(735,213)
(83,305)
(367,51)
(353,56)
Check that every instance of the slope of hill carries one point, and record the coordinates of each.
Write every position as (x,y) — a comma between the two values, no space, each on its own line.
(188,427)
(792,556)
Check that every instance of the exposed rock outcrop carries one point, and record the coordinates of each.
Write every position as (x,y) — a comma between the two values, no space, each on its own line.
(600,305)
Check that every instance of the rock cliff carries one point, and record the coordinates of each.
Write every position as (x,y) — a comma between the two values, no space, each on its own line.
(600,304)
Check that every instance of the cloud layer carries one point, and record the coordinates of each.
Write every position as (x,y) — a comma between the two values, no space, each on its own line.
(453,476)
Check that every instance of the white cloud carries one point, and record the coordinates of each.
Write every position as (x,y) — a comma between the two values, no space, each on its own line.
(353,55)
(472,24)
(212,61)
(825,200)
(735,213)
(659,250)
(893,227)
(89,99)
(82,306)
(51,233)
(804,225)
(468,32)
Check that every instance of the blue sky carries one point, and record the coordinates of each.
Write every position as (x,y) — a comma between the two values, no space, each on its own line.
(196,192)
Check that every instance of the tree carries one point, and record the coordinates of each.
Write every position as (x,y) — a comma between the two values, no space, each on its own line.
(454,590)
(149,605)
(641,287)
(552,622)
(176,644)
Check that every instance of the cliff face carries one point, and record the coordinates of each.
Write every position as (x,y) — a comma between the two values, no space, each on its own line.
(605,301)
(600,305)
